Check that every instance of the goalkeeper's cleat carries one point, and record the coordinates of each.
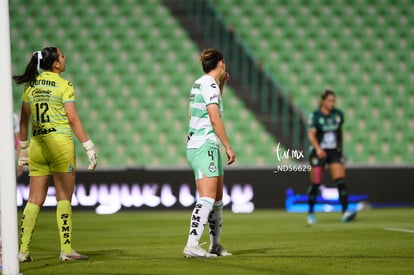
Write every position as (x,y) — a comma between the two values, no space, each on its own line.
(311,218)
(348,216)
(197,252)
(219,250)
(73,256)
(24,258)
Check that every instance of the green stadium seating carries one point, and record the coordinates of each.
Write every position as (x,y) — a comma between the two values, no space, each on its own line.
(132,66)
(360,49)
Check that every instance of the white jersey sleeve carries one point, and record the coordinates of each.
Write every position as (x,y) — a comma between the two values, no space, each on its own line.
(211,93)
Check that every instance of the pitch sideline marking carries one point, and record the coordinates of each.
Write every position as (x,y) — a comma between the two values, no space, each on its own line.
(399,230)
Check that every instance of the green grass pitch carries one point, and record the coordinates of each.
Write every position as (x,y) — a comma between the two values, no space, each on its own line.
(379,241)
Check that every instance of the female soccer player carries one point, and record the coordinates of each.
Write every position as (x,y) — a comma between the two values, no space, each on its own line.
(49,100)
(205,132)
(325,136)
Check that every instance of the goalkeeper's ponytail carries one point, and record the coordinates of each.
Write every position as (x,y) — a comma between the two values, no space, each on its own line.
(40,60)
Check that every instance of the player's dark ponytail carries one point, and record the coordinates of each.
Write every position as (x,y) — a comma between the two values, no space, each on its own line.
(40,60)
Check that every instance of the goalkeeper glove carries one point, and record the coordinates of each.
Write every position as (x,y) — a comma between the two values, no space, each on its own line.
(24,153)
(92,157)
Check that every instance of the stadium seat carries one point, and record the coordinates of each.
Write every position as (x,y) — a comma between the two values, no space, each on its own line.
(132,76)
(360,49)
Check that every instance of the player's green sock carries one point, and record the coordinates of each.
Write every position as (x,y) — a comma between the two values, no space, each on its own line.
(29,218)
(199,219)
(215,220)
(64,222)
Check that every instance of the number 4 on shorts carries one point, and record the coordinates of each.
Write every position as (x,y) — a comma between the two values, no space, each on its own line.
(210,154)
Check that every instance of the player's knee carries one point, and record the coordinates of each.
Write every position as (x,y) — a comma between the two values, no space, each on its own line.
(337,170)
(317,174)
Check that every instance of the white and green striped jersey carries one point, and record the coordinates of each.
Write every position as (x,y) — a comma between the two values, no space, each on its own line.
(205,91)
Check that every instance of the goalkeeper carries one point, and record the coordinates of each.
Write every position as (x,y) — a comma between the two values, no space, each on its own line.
(49,101)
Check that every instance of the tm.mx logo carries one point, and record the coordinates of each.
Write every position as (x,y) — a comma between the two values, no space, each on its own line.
(282,154)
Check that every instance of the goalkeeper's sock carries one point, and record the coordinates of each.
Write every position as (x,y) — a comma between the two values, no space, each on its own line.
(64,222)
(199,217)
(215,221)
(29,218)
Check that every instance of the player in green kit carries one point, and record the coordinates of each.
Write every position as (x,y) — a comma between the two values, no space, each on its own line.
(205,135)
(325,136)
(48,101)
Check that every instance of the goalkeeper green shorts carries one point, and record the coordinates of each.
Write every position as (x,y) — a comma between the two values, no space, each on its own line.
(51,153)
(205,160)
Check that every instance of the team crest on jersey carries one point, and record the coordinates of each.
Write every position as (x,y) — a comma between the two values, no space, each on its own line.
(212,167)
(337,118)
(321,120)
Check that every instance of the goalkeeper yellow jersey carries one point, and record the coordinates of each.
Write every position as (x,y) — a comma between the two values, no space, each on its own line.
(46,97)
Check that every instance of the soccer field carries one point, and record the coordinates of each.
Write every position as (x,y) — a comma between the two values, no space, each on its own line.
(379,241)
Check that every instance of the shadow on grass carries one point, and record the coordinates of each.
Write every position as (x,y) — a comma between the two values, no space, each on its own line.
(257,251)
(253,251)
(42,261)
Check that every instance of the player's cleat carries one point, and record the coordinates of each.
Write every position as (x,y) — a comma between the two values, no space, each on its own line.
(197,252)
(219,250)
(24,258)
(348,216)
(311,218)
(73,256)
